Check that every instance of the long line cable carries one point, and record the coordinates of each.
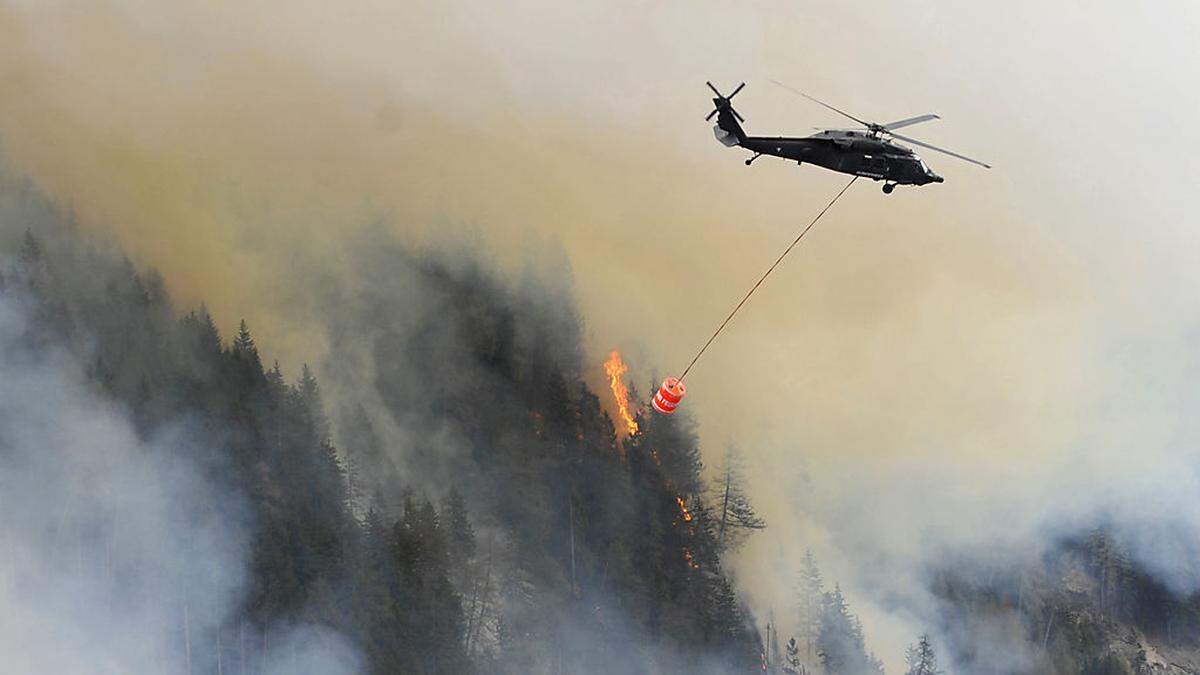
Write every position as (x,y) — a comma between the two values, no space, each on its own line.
(765,275)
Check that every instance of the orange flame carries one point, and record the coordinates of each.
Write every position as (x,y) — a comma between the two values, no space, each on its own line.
(615,368)
(687,515)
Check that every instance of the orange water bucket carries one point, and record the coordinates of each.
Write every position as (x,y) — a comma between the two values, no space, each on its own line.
(669,395)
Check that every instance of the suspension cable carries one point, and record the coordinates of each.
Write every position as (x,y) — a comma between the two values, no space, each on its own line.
(764,276)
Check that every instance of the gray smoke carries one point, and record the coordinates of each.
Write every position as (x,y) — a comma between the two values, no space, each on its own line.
(889,527)
(119,555)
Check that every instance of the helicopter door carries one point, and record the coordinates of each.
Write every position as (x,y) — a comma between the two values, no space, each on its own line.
(874,166)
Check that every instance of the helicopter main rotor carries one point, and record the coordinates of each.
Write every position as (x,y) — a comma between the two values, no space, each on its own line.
(876,129)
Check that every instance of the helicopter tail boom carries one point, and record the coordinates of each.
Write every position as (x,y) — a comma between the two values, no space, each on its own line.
(728,130)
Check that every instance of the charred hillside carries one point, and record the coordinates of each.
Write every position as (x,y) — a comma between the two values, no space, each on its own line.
(462,504)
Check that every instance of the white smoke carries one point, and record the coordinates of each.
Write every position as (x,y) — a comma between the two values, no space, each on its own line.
(119,555)
(885,528)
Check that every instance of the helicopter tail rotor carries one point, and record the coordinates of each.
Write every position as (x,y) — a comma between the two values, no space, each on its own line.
(722,102)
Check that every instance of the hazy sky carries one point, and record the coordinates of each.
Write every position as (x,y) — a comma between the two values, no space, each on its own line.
(990,331)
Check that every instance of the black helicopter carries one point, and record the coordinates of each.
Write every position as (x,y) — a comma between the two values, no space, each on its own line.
(871,153)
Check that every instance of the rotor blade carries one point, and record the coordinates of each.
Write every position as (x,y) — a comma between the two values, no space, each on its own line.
(714,112)
(735,114)
(911,121)
(710,86)
(735,91)
(800,93)
(941,150)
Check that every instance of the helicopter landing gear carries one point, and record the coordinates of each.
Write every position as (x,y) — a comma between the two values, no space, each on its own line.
(756,156)
(888,187)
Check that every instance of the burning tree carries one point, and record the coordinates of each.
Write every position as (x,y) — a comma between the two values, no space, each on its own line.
(615,368)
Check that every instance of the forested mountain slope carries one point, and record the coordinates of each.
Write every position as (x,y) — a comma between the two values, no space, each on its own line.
(448,497)
(511,533)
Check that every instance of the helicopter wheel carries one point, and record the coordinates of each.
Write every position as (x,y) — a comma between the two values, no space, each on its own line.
(888,187)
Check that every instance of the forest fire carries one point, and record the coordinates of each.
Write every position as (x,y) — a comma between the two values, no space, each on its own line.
(683,510)
(615,368)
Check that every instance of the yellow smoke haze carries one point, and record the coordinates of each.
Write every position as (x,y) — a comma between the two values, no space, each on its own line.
(235,145)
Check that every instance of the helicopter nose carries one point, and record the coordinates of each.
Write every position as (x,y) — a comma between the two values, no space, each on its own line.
(936,178)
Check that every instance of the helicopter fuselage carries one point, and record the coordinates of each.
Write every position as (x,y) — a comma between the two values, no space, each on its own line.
(857,153)
(872,153)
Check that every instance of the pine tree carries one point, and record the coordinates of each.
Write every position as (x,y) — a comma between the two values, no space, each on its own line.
(309,393)
(921,659)
(208,339)
(245,350)
(840,642)
(737,516)
(373,599)
(275,382)
(433,623)
(810,594)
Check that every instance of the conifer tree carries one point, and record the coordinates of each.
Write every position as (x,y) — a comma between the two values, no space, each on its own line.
(810,594)
(310,401)
(275,383)
(208,338)
(840,642)
(736,515)
(921,659)
(244,348)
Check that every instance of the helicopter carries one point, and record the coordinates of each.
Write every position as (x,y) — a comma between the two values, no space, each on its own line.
(870,153)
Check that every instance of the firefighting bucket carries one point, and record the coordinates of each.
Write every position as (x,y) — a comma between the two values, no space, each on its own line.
(669,395)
